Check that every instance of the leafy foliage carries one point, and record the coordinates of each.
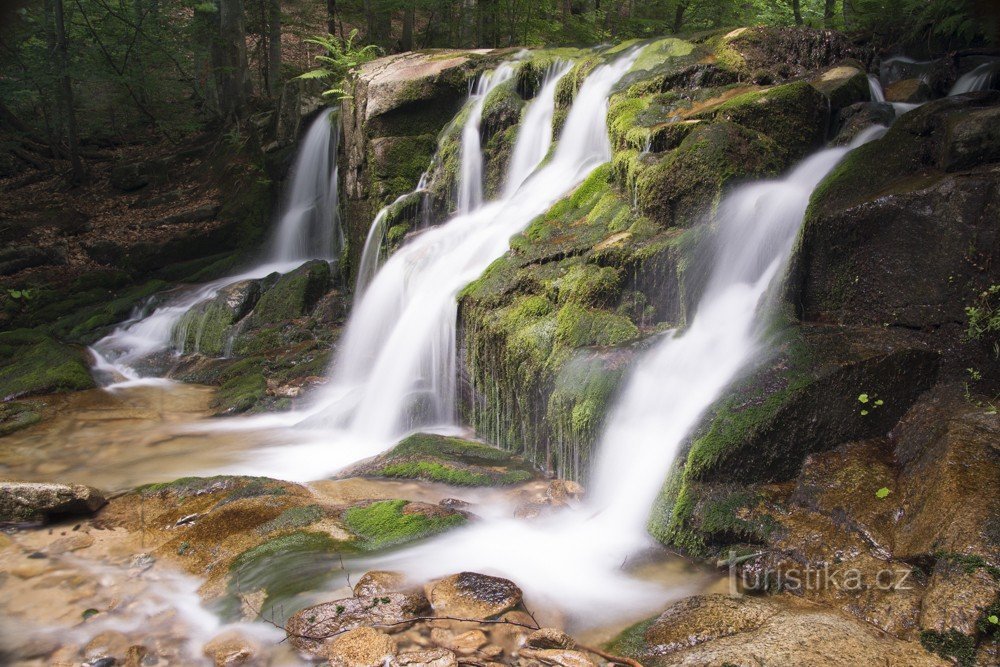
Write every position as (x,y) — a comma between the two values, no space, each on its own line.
(342,55)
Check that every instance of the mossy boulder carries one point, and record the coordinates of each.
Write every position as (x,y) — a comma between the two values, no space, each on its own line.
(794,115)
(397,106)
(782,52)
(862,258)
(681,188)
(16,415)
(446,460)
(33,363)
(206,327)
(383,524)
(825,387)
(843,85)
(293,295)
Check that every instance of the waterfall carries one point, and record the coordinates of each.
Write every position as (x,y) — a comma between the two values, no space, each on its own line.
(983,77)
(470,179)
(308,227)
(396,366)
(575,558)
(875,88)
(535,138)
(309,223)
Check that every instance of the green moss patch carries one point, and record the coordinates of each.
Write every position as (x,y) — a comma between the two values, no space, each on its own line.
(388,523)
(33,363)
(447,460)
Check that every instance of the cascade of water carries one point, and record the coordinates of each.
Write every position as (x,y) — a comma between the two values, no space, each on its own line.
(470,178)
(395,368)
(575,558)
(535,138)
(875,88)
(983,77)
(308,227)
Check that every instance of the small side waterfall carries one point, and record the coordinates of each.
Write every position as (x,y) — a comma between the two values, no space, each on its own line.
(470,179)
(395,368)
(308,228)
(875,89)
(535,138)
(309,224)
(984,77)
(664,397)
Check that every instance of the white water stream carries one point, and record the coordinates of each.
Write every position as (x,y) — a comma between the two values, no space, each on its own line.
(308,228)
(395,368)
(575,558)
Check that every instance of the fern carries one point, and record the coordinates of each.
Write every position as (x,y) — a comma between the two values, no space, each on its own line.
(342,56)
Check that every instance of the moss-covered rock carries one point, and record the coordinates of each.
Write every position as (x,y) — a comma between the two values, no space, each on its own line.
(446,460)
(824,388)
(862,258)
(207,327)
(293,295)
(33,363)
(389,523)
(795,115)
(681,188)
(843,85)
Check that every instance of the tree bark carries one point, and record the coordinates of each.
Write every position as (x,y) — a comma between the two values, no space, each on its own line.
(682,6)
(274,48)
(829,8)
(797,11)
(331,16)
(230,62)
(409,16)
(66,92)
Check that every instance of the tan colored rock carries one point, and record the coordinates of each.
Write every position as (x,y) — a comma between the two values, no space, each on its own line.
(956,598)
(778,632)
(72,542)
(361,647)
(328,619)
(106,644)
(465,643)
(231,648)
(559,657)
(910,91)
(134,655)
(436,657)
(512,635)
(33,501)
(380,582)
(550,638)
(473,596)
(562,491)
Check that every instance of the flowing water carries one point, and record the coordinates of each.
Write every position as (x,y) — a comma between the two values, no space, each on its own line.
(470,177)
(664,397)
(984,77)
(308,228)
(395,369)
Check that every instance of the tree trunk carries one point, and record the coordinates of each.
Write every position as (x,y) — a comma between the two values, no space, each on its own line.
(682,6)
(205,27)
(66,92)
(848,14)
(829,8)
(797,11)
(409,15)
(274,47)
(331,16)
(567,12)
(230,62)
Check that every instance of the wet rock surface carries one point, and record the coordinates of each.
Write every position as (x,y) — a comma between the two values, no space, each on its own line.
(473,595)
(718,630)
(39,502)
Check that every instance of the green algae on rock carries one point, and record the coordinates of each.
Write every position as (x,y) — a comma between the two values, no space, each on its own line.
(390,523)
(34,363)
(446,460)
